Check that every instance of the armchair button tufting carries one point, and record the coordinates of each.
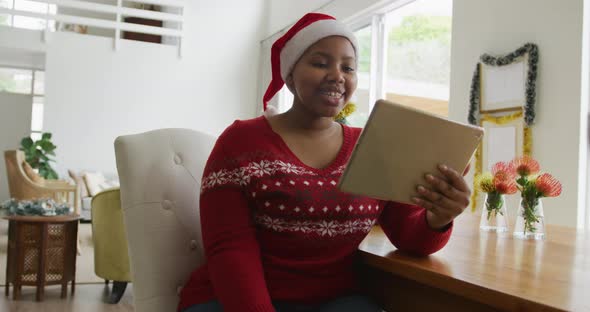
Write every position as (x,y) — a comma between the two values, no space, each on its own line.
(194,244)
(166,204)
(177,159)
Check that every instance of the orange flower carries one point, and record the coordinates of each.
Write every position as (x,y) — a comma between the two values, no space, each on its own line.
(505,186)
(547,185)
(525,165)
(502,171)
(502,178)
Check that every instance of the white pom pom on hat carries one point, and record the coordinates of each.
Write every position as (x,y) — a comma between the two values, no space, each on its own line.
(287,50)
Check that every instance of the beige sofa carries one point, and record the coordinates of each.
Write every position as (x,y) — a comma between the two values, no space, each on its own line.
(90,183)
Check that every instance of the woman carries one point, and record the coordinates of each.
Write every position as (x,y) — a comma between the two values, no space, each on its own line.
(277,233)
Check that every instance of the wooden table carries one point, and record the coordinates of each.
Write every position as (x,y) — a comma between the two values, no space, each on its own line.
(480,271)
(41,251)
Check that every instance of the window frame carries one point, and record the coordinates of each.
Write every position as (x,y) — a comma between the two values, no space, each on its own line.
(31,92)
(49,24)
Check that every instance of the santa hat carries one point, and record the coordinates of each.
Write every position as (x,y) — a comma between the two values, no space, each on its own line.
(287,50)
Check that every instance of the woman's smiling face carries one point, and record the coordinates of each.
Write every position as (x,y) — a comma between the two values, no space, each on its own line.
(324,78)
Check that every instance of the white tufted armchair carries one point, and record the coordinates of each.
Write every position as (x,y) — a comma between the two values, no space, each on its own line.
(160,173)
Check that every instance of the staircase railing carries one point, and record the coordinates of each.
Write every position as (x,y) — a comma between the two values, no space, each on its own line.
(172,12)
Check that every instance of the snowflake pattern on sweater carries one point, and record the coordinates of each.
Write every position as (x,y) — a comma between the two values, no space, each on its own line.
(270,176)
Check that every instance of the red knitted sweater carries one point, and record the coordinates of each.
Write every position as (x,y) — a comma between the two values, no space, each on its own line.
(276,229)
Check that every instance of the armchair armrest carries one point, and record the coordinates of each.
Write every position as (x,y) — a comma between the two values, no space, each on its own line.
(56,183)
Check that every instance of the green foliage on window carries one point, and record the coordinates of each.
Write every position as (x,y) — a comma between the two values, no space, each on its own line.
(418,28)
(4,20)
(15,80)
(37,154)
(7,83)
(364,42)
(419,49)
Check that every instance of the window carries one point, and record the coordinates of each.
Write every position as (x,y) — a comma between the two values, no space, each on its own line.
(404,56)
(27,81)
(39,85)
(16,80)
(418,55)
(38,104)
(361,96)
(5,19)
(26,21)
(37,114)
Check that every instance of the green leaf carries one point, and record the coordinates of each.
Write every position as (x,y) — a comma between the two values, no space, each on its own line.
(47,146)
(26,143)
(43,171)
(37,154)
(51,174)
(34,163)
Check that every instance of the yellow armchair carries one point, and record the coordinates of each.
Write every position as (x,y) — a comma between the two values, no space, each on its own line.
(22,187)
(111,259)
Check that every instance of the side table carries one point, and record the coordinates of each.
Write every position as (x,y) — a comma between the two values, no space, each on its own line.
(41,251)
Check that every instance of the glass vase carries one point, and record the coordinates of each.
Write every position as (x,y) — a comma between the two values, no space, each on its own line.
(530,220)
(494,217)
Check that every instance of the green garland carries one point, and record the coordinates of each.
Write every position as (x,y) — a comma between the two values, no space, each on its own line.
(531,81)
(36,207)
(474,99)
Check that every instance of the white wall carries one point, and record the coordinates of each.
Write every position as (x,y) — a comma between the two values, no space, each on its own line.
(94,94)
(15,124)
(283,13)
(500,26)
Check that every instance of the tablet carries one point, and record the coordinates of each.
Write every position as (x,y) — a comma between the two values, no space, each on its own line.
(399,145)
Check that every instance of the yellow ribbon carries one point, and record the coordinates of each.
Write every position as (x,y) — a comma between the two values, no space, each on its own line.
(501,120)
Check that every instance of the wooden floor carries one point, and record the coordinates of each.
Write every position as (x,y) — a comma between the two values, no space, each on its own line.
(88,298)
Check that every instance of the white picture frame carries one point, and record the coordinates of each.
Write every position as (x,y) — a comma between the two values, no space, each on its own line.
(503,88)
(501,142)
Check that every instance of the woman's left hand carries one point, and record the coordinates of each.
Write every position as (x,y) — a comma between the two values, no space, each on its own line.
(443,198)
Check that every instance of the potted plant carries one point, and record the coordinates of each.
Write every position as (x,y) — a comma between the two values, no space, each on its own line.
(38,154)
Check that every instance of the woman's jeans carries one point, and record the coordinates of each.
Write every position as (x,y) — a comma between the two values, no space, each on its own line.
(355,303)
